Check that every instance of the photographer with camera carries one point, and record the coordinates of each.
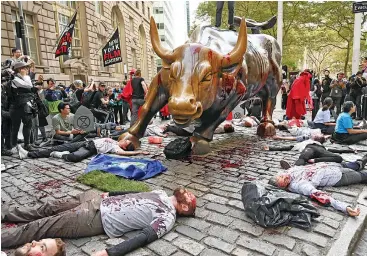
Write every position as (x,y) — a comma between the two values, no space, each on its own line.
(356,93)
(22,105)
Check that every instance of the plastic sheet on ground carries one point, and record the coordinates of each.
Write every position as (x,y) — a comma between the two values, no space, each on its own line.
(272,207)
(129,168)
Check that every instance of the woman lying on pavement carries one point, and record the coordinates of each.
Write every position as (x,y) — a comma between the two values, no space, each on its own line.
(115,213)
(306,179)
(76,152)
(312,151)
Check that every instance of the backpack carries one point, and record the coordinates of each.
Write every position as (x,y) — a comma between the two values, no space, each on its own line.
(87,98)
(43,110)
(178,149)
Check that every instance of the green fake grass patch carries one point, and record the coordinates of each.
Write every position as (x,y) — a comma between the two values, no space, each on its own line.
(109,182)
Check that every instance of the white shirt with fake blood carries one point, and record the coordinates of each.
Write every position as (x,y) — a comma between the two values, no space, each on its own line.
(106,145)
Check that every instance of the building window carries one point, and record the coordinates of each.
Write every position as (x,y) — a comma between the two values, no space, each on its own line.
(63,21)
(148,12)
(31,36)
(101,42)
(71,4)
(160,25)
(137,5)
(99,7)
(133,52)
(163,38)
(131,21)
(143,7)
(158,10)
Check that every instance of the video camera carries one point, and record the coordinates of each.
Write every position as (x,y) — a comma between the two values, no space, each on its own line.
(6,71)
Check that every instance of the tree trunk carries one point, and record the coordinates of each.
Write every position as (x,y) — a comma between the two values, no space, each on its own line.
(347,59)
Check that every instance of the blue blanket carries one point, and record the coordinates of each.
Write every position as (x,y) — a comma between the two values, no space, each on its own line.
(129,168)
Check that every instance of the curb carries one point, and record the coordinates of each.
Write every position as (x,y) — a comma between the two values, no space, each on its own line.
(352,230)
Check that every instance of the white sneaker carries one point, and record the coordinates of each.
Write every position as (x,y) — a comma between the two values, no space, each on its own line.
(57,154)
(14,150)
(23,154)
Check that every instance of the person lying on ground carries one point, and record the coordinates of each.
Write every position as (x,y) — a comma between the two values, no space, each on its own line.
(286,124)
(78,151)
(115,213)
(224,127)
(303,133)
(306,179)
(248,121)
(312,151)
(322,118)
(63,125)
(344,132)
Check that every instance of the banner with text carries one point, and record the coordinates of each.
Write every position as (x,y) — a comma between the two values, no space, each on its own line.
(111,52)
(65,40)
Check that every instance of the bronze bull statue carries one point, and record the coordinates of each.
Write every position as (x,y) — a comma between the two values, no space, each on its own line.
(204,80)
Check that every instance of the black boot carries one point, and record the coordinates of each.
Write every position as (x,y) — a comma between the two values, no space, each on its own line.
(5,152)
(362,162)
(29,147)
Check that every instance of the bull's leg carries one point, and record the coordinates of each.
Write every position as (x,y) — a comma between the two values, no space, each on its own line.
(156,99)
(270,91)
(211,119)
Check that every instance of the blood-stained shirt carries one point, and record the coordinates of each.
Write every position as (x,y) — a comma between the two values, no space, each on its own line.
(106,145)
(306,179)
(124,213)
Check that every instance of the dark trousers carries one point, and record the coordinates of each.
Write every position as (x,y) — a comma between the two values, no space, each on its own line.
(336,103)
(348,139)
(177,130)
(357,99)
(78,151)
(136,104)
(70,218)
(125,110)
(284,101)
(117,110)
(351,176)
(325,129)
(316,107)
(6,129)
(218,16)
(320,154)
(18,116)
(99,114)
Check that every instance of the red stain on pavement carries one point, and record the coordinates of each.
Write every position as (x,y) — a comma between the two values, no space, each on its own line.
(52,184)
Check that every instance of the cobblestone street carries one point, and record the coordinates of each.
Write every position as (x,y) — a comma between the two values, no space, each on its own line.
(220,226)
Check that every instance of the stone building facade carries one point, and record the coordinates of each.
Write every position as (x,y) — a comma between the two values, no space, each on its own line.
(96,20)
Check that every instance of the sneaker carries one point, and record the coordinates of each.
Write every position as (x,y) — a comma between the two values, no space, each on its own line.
(284,164)
(22,152)
(57,154)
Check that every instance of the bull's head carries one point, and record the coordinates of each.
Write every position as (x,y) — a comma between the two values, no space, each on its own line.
(192,73)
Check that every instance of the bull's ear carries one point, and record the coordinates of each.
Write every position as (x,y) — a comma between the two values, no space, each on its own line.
(164,54)
(236,55)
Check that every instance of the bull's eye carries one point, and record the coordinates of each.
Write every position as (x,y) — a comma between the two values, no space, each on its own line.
(207,78)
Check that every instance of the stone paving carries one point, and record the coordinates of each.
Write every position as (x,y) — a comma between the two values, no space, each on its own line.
(220,226)
(361,248)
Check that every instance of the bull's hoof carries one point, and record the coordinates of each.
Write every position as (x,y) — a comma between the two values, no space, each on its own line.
(200,147)
(266,130)
(132,138)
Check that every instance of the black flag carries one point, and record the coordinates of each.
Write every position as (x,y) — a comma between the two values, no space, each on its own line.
(64,43)
(111,52)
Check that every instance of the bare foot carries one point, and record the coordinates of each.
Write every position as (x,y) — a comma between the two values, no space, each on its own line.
(353,212)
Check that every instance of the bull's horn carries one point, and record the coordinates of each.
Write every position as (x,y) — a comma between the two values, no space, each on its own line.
(239,49)
(163,53)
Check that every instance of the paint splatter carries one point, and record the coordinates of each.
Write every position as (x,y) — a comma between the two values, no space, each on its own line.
(52,184)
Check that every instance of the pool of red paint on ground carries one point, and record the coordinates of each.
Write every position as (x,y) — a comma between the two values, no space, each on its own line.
(49,184)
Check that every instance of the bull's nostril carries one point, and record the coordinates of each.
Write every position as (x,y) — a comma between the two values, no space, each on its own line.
(192,101)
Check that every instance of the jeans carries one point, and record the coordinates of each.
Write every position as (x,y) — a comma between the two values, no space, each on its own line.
(137,103)
(78,151)
(319,153)
(18,115)
(117,110)
(218,16)
(349,139)
(65,218)
(6,128)
(350,176)
(125,110)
